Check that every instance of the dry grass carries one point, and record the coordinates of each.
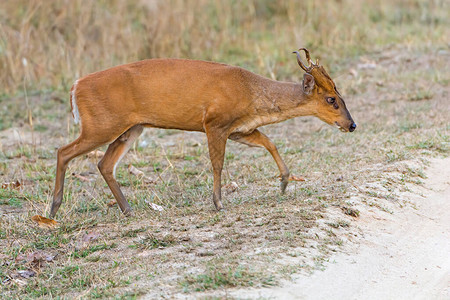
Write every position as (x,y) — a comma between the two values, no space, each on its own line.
(46,45)
(400,106)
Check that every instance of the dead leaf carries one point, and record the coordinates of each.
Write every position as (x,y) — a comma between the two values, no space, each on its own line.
(296,178)
(353,72)
(136,172)
(368,65)
(44,222)
(20,257)
(37,258)
(231,187)
(91,236)
(111,203)
(154,206)
(11,185)
(96,154)
(26,273)
(81,177)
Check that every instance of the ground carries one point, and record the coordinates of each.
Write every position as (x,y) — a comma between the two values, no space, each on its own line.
(398,98)
(403,255)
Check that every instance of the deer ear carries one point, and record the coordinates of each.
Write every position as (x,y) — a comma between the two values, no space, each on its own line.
(308,83)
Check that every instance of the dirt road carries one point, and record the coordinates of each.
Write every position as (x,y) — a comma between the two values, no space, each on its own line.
(404,255)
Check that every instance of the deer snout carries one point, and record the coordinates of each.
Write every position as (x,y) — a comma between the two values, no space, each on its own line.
(352,127)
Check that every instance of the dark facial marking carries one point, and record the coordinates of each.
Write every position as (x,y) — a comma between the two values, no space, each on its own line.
(335,89)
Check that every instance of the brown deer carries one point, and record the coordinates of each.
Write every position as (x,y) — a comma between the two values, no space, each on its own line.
(226,102)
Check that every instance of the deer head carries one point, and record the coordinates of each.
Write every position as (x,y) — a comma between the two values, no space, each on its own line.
(320,89)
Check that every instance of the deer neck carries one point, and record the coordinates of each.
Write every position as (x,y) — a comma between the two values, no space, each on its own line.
(278,101)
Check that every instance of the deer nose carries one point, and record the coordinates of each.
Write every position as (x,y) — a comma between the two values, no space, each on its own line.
(352,127)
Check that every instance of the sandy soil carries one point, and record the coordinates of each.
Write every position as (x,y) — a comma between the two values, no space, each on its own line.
(404,255)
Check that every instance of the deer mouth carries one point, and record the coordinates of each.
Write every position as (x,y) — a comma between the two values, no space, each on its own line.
(340,127)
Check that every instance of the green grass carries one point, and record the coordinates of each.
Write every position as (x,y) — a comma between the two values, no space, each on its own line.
(216,277)
(86,252)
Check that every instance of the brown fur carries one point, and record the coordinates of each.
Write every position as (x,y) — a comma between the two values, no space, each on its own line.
(222,101)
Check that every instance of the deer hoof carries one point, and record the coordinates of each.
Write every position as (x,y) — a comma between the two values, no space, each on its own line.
(128,213)
(219,206)
(283,185)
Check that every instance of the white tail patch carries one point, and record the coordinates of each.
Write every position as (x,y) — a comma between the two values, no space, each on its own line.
(75,112)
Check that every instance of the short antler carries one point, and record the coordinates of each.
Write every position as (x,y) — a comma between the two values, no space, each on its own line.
(308,58)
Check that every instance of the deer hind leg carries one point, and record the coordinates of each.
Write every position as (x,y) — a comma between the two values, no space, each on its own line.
(259,139)
(65,154)
(111,159)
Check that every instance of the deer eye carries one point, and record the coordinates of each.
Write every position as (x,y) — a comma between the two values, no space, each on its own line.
(331,100)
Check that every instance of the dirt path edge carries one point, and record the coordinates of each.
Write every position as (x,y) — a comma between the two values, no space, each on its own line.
(405,255)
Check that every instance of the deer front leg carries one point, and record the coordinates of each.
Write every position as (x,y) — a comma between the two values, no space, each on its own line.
(258,139)
(217,140)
